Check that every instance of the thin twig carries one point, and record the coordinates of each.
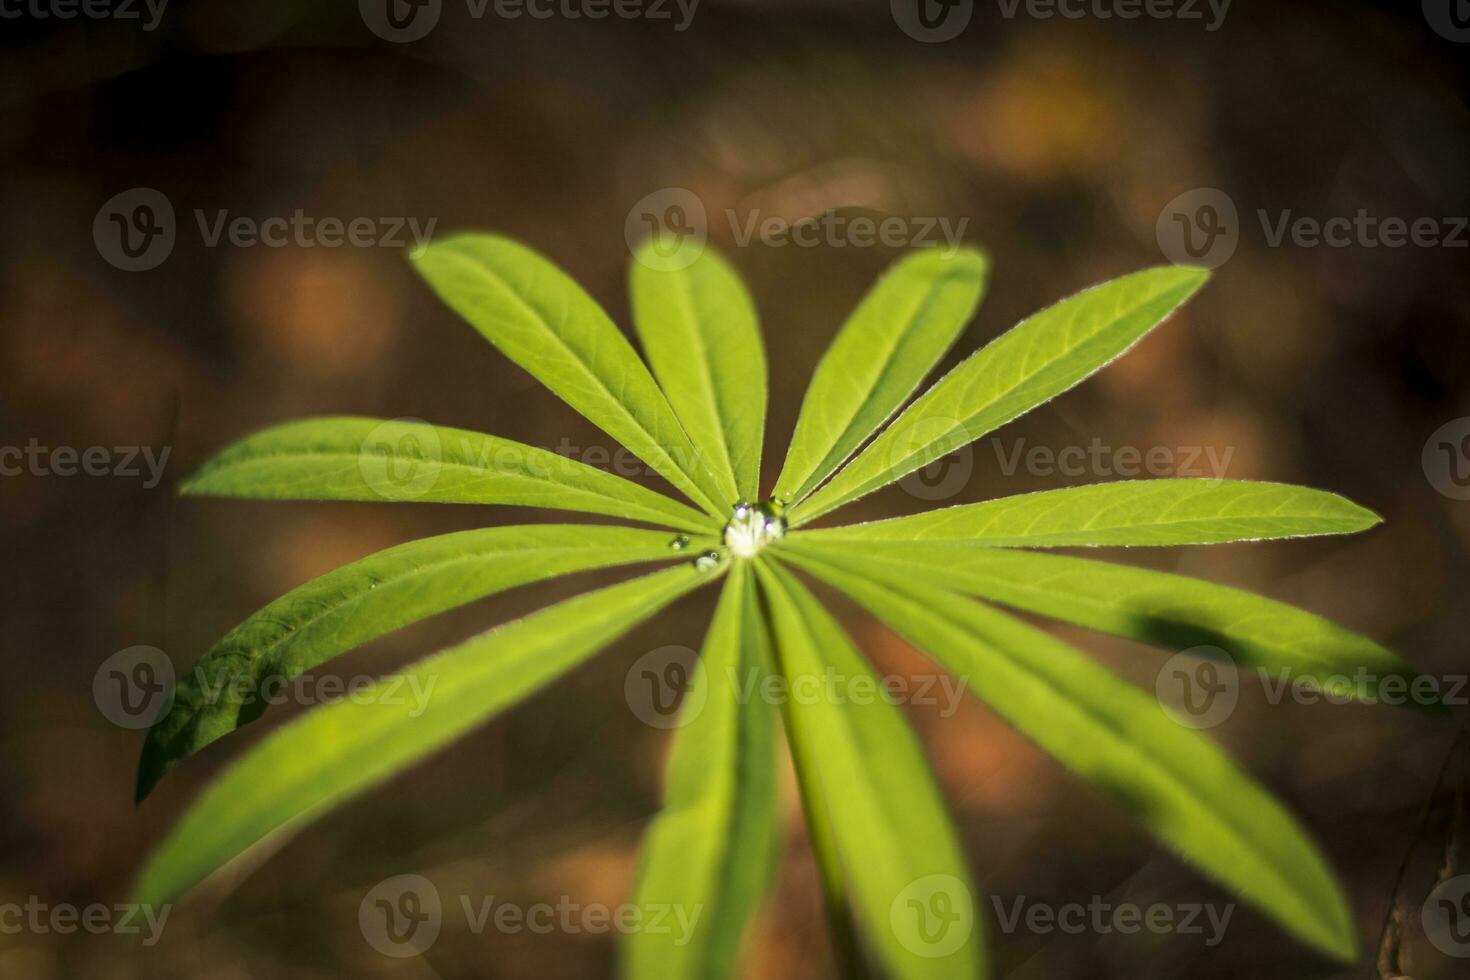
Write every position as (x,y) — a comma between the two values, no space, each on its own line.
(1390,942)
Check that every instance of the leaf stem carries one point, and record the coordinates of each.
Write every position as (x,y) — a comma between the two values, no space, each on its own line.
(846,950)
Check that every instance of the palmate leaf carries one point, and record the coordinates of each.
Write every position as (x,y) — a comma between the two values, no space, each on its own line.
(712,849)
(894,844)
(889,858)
(349,458)
(699,330)
(1131,512)
(1030,364)
(1157,608)
(361,601)
(893,339)
(1170,778)
(540,318)
(336,751)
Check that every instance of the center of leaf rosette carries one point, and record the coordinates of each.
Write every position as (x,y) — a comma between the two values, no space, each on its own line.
(751,528)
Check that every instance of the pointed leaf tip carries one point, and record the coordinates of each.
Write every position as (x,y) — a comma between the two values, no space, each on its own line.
(1038,359)
(897,334)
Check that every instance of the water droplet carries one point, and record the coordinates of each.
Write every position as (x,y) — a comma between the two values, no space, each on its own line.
(708,561)
(775,520)
(680,543)
(752,528)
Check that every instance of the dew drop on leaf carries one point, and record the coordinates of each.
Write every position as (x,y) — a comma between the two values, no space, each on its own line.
(752,528)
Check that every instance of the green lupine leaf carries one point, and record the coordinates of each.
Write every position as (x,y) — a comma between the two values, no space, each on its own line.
(1131,512)
(1030,364)
(336,751)
(711,851)
(540,318)
(361,601)
(699,331)
(1157,608)
(1170,778)
(351,458)
(893,339)
(889,858)
(898,852)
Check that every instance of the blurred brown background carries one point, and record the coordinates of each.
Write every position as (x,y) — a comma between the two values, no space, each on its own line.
(1060,142)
